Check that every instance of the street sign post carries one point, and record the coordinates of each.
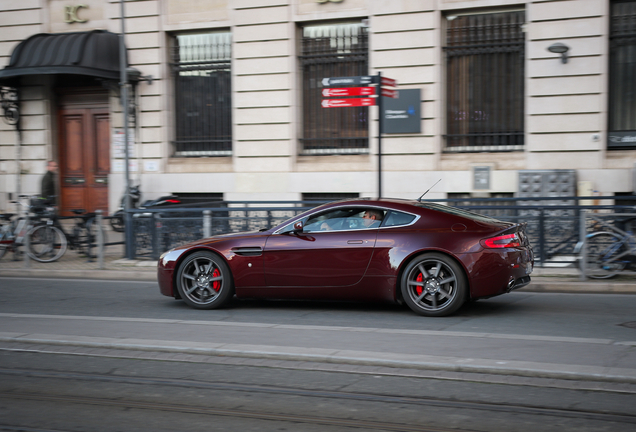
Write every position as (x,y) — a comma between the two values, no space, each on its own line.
(348,91)
(338,103)
(350,81)
(390,93)
(388,82)
(379,92)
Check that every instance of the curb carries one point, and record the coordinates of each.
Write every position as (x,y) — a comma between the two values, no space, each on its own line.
(558,285)
(358,358)
(127,275)
(539,284)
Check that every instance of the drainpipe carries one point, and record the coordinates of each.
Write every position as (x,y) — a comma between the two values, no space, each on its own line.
(123,66)
(10,104)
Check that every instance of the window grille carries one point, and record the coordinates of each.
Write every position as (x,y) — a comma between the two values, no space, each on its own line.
(485,82)
(203,104)
(333,51)
(622,69)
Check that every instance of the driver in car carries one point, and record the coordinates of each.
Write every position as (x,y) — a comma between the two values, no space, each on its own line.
(372,218)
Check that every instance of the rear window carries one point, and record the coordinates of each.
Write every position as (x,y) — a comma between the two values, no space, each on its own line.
(395,218)
(457,212)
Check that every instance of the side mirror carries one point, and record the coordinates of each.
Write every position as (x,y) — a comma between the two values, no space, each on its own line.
(298,227)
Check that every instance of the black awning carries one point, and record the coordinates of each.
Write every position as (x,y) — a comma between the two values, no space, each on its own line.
(93,53)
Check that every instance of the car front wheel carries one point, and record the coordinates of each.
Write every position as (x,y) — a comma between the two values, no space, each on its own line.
(204,281)
(434,285)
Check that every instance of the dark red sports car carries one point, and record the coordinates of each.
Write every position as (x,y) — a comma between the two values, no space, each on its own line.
(432,257)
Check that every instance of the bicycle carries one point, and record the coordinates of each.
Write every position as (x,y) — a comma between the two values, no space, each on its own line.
(44,245)
(82,237)
(608,252)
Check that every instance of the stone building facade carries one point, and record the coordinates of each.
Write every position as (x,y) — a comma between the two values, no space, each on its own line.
(479,116)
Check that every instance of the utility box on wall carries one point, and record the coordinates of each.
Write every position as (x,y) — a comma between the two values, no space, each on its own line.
(547,183)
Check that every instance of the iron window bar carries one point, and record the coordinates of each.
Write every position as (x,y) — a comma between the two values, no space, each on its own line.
(333,51)
(622,67)
(201,65)
(481,50)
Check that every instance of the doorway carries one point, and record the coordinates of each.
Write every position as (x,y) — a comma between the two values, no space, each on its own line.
(84,152)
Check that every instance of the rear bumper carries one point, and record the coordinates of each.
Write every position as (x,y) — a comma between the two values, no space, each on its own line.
(495,272)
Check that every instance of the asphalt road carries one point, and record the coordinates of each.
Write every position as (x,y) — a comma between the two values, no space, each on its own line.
(74,353)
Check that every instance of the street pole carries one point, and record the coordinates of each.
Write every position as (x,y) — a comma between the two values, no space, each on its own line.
(123,65)
(379,93)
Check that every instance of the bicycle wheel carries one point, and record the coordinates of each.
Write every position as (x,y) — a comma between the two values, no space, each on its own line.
(605,257)
(46,243)
(89,238)
(117,221)
(4,244)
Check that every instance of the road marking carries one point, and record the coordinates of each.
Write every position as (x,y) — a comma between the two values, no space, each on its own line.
(313,328)
(56,279)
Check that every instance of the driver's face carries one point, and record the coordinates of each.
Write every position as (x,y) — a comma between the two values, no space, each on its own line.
(367,218)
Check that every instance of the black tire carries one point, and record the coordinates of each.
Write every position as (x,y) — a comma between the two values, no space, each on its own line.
(46,243)
(603,248)
(434,285)
(117,221)
(204,281)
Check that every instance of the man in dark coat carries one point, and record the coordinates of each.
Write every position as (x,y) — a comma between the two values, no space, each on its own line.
(48,182)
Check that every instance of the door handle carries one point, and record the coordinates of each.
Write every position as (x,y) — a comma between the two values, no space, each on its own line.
(355,241)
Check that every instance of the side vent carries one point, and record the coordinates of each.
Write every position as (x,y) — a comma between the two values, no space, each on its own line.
(248,251)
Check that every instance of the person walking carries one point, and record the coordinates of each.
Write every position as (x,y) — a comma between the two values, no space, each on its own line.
(49,189)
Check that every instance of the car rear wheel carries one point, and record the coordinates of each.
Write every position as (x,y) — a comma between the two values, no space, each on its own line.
(204,281)
(434,285)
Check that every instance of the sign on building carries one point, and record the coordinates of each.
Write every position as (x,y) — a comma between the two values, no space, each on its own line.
(402,114)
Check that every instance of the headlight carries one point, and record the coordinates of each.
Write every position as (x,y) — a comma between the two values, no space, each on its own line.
(163,255)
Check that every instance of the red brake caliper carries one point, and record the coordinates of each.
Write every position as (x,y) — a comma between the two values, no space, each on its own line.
(419,289)
(216,285)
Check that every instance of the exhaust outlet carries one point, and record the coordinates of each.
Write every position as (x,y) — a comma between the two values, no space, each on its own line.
(511,285)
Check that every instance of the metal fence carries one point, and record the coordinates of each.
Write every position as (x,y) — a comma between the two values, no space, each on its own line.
(554,230)
(156,231)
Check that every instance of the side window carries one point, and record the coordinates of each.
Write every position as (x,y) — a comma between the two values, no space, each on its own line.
(345,220)
(395,218)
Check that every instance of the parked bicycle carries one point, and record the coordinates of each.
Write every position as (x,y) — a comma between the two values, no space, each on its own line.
(82,237)
(608,252)
(17,231)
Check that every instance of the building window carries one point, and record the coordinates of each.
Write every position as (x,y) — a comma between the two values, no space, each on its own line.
(203,104)
(485,82)
(622,68)
(337,50)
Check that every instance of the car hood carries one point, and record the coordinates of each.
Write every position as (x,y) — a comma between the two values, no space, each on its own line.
(220,237)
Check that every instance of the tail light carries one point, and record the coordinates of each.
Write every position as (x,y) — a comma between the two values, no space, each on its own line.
(501,241)
(173,201)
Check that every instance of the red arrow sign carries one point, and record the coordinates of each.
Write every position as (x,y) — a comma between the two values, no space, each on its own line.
(336,103)
(390,93)
(389,82)
(348,91)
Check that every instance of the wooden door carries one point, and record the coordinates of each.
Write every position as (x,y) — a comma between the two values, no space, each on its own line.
(84,149)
